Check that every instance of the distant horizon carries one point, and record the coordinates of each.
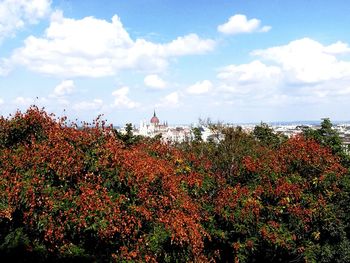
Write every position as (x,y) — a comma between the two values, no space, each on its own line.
(147,119)
(311,122)
(266,60)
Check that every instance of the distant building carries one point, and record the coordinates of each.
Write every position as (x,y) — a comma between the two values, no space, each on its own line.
(153,127)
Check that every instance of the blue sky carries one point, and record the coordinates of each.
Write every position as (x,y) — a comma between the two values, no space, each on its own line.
(233,61)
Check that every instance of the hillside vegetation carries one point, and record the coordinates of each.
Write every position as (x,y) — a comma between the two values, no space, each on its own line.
(90,194)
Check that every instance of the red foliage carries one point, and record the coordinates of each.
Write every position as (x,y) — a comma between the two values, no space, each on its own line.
(274,192)
(140,202)
(75,181)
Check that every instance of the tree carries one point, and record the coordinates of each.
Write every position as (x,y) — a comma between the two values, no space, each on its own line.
(266,135)
(128,137)
(197,133)
(328,137)
(81,194)
(74,194)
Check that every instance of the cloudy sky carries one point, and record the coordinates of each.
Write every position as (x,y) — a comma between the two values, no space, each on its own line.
(230,60)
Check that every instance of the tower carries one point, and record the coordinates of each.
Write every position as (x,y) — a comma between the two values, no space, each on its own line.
(154,120)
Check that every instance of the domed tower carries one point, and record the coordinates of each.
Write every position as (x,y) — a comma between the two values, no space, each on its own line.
(154,120)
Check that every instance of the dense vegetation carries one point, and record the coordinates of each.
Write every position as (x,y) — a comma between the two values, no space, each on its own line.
(91,194)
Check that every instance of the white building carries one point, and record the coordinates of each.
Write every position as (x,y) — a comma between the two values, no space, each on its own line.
(153,127)
(182,133)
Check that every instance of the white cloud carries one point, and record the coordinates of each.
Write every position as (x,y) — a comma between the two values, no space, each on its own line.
(93,47)
(345,91)
(64,88)
(57,97)
(265,29)
(337,48)
(249,82)
(252,72)
(23,101)
(187,45)
(200,87)
(308,61)
(301,72)
(121,99)
(154,81)
(95,104)
(5,67)
(240,24)
(170,100)
(15,14)
(1,101)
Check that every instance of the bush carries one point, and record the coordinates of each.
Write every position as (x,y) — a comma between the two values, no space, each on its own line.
(86,194)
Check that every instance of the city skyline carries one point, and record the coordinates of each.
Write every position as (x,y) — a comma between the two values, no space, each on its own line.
(232,61)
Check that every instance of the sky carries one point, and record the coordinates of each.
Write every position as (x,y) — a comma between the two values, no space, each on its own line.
(236,61)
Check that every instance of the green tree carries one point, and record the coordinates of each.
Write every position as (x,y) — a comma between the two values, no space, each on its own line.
(128,137)
(197,133)
(266,135)
(328,137)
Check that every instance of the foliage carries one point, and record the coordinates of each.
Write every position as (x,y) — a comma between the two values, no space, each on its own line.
(326,136)
(128,137)
(82,193)
(267,136)
(280,205)
(90,194)
(197,134)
